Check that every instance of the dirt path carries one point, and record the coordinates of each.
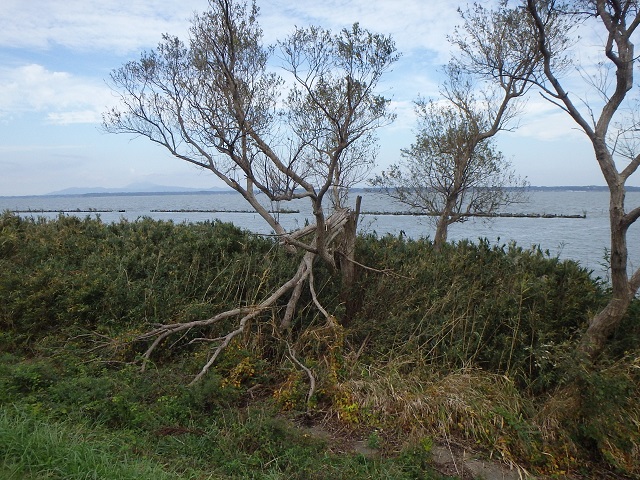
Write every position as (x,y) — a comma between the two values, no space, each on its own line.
(450,461)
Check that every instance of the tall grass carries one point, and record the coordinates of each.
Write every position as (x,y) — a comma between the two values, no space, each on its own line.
(32,448)
(500,308)
(471,344)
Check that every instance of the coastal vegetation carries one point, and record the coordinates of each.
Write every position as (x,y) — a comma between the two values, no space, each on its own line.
(310,133)
(203,351)
(472,346)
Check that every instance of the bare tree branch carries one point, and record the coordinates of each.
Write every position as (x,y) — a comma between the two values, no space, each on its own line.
(214,102)
(307,370)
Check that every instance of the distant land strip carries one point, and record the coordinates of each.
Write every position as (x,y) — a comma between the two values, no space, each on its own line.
(94,210)
(485,215)
(75,210)
(182,210)
(383,213)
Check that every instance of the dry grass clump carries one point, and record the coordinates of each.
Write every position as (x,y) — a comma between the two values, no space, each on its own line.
(480,410)
(599,409)
(464,406)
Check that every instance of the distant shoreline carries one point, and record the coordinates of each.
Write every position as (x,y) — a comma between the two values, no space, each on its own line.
(284,212)
(564,188)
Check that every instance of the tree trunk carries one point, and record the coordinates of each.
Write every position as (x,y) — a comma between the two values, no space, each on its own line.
(444,220)
(348,266)
(441,233)
(603,324)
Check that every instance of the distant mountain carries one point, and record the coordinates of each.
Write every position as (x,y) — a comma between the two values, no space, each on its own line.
(143,187)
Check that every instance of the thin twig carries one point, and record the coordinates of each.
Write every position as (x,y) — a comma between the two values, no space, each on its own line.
(386,271)
(227,339)
(312,289)
(203,339)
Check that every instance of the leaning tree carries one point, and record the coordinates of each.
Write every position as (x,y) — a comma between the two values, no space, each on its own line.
(218,103)
(606,113)
(453,170)
(603,107)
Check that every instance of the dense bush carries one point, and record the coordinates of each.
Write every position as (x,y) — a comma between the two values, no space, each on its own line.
(473,304)
(74,276)
(497,307)
(475,340)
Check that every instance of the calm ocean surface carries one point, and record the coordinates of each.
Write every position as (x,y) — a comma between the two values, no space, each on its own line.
(582,239)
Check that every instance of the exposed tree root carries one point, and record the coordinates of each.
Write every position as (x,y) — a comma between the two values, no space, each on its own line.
(312,379)
(335,226)
(214,103)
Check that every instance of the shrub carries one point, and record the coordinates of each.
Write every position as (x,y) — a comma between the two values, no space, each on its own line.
(71,276)
(500,308)
(469,341)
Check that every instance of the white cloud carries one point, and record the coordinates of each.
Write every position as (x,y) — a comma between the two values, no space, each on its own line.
(405,115)
(80,116)
(13,149)
(551,126)
(65,97)
(56,54)
(433,19)
(90,24)
(125,27)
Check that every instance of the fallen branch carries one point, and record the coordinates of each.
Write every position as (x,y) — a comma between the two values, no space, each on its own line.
(312,380)
(334,227)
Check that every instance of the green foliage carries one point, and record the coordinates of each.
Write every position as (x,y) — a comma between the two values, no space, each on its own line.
(31,376)
(416,458)
(84,423)
(608,416)
(72,276)
(32,448)
(626,339)
(500,308)
(114,398)
(471,340)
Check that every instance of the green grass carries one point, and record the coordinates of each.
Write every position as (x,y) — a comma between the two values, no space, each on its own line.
(259,446)
(62,419)
(33,448)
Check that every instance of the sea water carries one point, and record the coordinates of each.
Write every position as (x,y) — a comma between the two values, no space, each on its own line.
(585,240)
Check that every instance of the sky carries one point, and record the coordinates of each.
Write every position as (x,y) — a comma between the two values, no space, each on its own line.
(56,57)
